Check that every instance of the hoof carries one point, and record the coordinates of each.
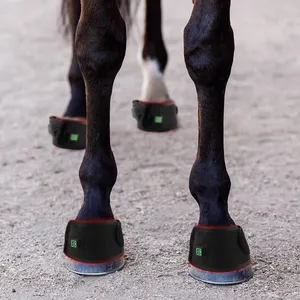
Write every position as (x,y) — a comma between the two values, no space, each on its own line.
(155,117)
(225,278)
(68,133)
(219,255)
(96,269)
(94,247)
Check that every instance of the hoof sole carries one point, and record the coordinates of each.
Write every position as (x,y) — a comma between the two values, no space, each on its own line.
(226,278)
(95,269)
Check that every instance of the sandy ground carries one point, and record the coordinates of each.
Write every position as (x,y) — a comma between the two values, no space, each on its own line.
(40,189)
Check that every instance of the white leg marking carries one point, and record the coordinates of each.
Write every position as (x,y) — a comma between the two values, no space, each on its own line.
(154,88)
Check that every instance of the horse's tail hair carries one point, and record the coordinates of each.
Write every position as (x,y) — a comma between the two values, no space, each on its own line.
(64,17)
(126,8)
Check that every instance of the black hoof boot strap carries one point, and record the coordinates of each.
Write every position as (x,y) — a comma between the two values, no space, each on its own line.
(67,134)
(223,249)
(155,117)
(94,242)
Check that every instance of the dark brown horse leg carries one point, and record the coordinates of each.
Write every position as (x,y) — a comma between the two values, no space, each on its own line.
(219,252)
(76,106)
(154,57)
(94,240)
(69,131)
(209,49)
(100,48)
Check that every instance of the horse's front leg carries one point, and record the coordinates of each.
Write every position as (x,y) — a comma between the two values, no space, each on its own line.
(95,238)
(155,111)
(218,251)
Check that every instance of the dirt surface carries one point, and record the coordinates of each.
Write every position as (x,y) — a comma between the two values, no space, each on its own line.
(40,189)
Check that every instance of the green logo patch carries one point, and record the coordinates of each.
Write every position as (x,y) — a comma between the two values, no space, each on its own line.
(158,119)
(199,251)
(73,243)
(74,137)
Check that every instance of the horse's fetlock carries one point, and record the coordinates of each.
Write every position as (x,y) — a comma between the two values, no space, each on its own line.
(100,171)
(209,181)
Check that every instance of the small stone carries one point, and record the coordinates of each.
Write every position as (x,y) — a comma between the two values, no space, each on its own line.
(13,290)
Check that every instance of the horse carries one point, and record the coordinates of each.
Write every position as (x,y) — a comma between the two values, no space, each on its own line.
(94,244)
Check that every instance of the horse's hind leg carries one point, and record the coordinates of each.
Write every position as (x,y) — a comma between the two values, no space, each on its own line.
(155,111)
(69,131)
(76,106)
(218,251)
(153,57)
(95,237)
